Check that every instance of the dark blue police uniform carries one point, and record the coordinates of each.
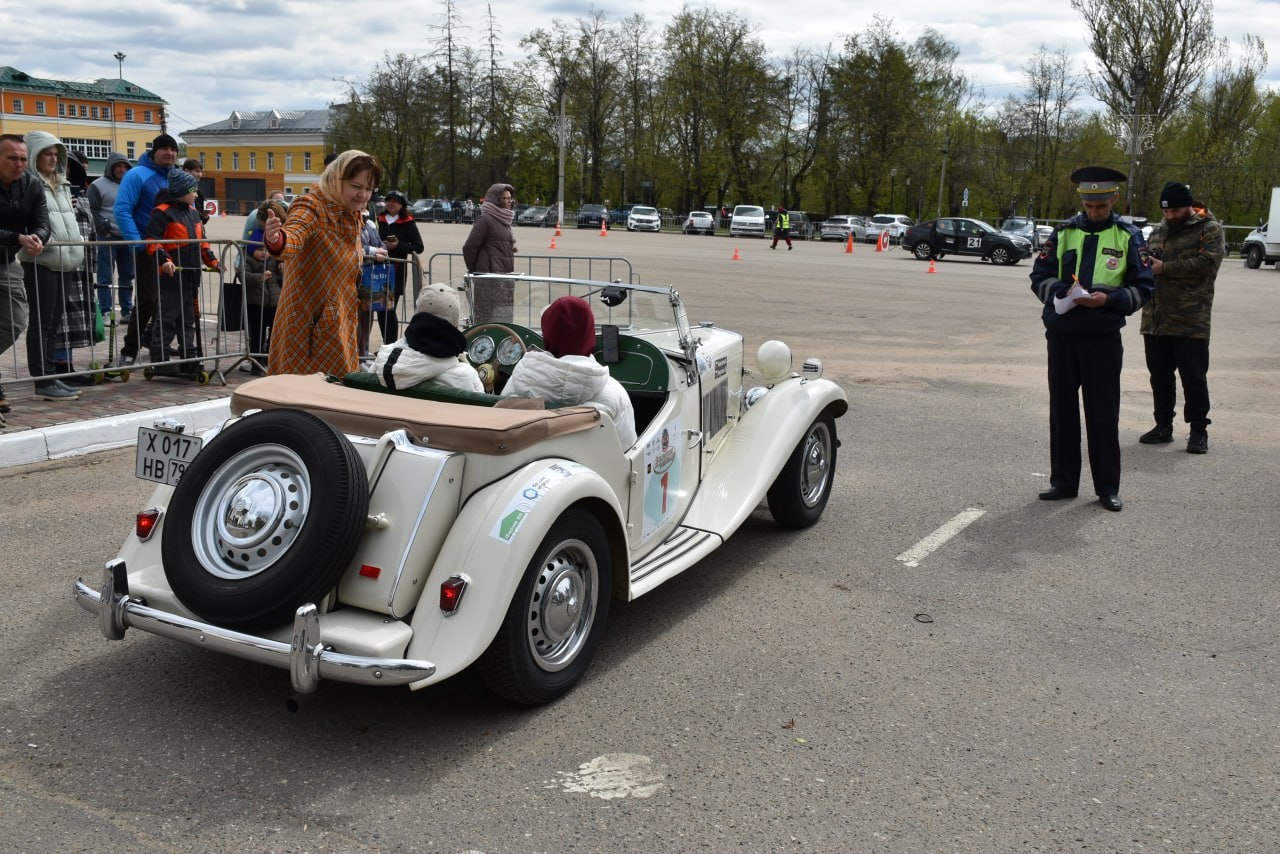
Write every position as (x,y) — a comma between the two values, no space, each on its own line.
(1084,347)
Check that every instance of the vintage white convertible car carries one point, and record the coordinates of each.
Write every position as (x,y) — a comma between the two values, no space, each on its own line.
(344,532)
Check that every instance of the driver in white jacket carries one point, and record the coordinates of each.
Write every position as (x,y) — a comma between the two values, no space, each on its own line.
(567,375)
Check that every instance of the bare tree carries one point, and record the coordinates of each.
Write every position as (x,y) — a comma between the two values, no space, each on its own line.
(1150,52)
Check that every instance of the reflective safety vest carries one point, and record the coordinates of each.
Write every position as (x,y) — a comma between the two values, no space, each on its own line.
(1110,255)
(784,221)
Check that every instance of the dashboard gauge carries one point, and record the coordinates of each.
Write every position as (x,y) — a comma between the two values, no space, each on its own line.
(481,349)
(510,351)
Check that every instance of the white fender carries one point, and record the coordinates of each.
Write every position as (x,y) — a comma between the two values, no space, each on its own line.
(491,542)
(766,434)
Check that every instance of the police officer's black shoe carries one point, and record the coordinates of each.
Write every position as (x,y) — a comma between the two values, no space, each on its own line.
(1198,442)
(1056,493)
(1157,435)
(1111,502)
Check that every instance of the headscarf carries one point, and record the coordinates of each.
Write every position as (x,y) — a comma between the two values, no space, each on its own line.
(344,167)
(569,327)
(492,204)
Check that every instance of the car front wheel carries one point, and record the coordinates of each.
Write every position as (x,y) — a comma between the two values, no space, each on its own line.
(557,618)
(923,250)
(1001,255)
(799,494)
(1253,257)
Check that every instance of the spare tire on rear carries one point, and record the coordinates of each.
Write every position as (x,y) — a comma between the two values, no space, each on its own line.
(265,519)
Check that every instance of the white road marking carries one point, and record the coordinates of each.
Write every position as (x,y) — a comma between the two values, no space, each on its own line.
(922,549)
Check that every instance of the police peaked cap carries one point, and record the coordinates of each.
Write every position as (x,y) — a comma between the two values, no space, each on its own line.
(1097,180)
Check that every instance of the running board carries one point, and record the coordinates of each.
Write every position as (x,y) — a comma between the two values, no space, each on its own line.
(685,547)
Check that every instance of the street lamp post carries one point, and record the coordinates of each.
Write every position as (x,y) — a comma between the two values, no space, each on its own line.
(893,175)
(1137,81)
(119,57)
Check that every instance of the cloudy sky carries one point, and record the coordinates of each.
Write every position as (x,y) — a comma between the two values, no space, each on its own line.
(210,57)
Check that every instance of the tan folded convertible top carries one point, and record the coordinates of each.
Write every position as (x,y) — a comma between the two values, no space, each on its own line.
(447,426)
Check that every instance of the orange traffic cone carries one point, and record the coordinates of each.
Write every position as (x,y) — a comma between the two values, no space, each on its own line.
(558,234)
(932,267)
(553,242)
(604,227)
(848,245)
(880,242)
(736,256)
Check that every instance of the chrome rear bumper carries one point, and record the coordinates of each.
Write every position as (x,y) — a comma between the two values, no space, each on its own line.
(305,657)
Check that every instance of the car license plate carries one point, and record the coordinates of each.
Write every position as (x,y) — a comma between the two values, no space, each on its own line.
(164,455)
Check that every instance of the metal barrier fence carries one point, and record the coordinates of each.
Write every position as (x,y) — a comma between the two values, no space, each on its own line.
(119,312)
(450,268)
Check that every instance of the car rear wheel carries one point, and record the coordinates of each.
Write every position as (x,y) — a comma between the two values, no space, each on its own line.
(923,250)
(265,519)
(1253,257)
(799,494)
(557,618)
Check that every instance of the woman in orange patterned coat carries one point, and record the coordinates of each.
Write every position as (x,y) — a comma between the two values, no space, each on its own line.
(316,324)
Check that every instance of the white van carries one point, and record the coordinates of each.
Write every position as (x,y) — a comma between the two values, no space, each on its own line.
(747,221)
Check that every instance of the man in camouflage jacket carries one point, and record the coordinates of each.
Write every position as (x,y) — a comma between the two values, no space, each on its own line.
(1186,249)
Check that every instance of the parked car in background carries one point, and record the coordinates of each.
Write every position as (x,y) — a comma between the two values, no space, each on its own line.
(537,215)
(1028,229)
(895,224)
(591,216)
(936,238)
(1255,251)
(699,222)
(421,208)
(747,221)
(801,225)
(840,226)
(668,215)
(618,216)
(643,218)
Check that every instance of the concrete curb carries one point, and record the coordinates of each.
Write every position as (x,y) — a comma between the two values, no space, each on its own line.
(103,434)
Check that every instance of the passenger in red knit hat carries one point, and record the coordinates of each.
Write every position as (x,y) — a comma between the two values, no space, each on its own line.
(566,374)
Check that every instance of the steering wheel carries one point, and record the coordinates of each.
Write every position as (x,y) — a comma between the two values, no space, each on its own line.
(493,349)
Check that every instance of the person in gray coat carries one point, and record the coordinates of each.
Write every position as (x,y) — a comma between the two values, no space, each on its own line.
(102,204)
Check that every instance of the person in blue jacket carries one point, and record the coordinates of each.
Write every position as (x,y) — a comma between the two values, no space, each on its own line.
(1091,274)
(135,200)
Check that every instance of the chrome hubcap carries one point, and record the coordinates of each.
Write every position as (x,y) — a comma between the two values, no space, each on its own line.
(817,465)
(250,512)
(562,606)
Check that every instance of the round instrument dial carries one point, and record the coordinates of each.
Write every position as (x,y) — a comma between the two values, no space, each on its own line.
(481,349)
(510,351)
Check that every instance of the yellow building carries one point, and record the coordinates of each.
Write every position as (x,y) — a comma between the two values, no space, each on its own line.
(96,118)
(249,155)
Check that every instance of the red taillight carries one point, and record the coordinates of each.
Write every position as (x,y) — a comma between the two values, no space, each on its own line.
(145,523)
(451,593)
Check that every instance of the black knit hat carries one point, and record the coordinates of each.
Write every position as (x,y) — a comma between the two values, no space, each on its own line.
(1175,195)
(164,141)
(434,336)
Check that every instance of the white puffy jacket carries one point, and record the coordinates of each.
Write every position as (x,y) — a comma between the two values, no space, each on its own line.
(410,367)
(573,381)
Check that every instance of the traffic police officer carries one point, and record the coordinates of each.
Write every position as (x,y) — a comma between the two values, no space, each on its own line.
(1105,257)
